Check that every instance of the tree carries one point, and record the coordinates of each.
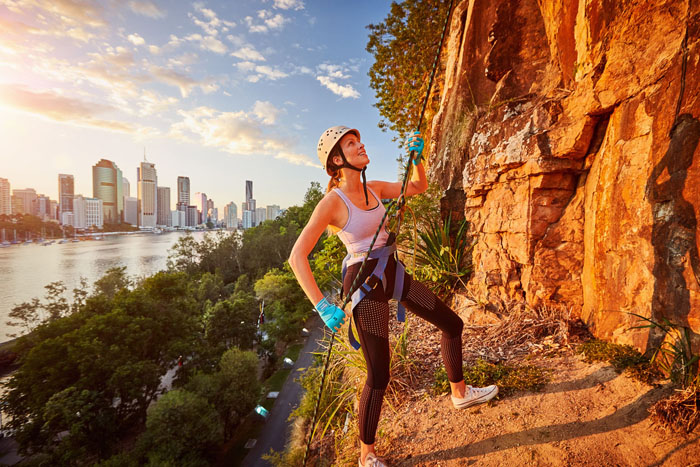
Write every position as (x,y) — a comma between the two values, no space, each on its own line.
(286,305)
(404,47)
(117,354)
(233,390)
(114,280)
(182,429)
(182,257)
(232,322)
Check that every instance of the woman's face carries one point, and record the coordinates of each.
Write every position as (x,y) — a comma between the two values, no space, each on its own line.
(354,150)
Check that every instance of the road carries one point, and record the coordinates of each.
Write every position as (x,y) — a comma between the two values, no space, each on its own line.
(277,428)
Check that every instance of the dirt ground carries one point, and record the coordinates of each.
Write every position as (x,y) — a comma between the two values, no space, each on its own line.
(586,415)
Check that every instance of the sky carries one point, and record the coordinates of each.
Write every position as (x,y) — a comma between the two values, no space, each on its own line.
(221,92)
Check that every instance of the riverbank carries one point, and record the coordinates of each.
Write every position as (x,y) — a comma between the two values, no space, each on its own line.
(26,270)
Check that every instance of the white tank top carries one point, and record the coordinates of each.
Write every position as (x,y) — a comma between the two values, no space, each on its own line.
(361,227)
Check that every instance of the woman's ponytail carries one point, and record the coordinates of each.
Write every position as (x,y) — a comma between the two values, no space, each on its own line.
(332,170)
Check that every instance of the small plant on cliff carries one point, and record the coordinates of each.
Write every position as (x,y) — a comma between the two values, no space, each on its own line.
(441,260)
(675,356)
(509,378)
(623,358)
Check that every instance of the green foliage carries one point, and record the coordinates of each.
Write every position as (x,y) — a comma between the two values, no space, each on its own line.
(286,305)
(113,350)
(404,46)
(326,264)
(29,315)
(182,428)
(508,378)
(233,390)
(114,280)
(231,322)
(675,356)
(441,260)
(29,226)
(621,357)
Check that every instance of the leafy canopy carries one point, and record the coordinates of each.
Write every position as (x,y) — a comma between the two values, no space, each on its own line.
(404,47)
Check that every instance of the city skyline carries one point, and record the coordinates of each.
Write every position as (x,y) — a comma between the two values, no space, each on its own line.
(111,197)
(218,91)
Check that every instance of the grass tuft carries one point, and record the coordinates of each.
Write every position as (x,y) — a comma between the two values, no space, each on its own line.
(624,358)
(509,378)
(679,413)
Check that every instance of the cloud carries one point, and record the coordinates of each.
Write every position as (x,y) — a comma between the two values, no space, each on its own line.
(136,39)
(209,43)
(183,60)
(245,66)
(183,82)
(343,91)
(289,4)
(328,75)
(258,72)
(211,24)
(238,133)
(266,112)
(248,53)
(269,73)
(60,108)
(146,8)
(269,21)
(333,71)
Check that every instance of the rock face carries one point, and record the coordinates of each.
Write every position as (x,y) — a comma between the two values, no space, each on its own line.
(568,134)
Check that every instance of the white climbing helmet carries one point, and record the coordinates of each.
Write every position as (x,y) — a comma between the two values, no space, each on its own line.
(329,139)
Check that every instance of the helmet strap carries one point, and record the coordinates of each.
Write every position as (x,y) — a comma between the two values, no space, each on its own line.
(347,165)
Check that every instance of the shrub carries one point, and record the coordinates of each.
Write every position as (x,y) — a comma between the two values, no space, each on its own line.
(509,378)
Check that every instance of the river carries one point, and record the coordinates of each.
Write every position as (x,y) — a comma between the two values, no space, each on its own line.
(26,269)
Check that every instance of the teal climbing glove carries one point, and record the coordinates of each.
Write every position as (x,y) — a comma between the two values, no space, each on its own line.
(415,143)
(332,315)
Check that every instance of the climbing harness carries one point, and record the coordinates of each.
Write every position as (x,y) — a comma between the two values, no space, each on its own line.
(357,291)
(382,255)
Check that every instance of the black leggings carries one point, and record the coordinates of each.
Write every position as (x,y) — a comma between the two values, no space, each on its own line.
(371,318)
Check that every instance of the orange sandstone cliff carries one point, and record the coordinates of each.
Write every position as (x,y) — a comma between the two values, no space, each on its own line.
(567,135)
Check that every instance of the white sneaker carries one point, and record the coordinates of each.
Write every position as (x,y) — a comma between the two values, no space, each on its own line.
(474,396)
(371,461)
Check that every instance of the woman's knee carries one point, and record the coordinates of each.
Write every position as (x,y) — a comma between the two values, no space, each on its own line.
(378,378)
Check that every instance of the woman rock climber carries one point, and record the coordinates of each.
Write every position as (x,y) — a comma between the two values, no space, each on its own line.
(352,208)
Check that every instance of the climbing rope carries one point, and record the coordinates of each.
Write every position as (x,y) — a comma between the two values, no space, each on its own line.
(397,205)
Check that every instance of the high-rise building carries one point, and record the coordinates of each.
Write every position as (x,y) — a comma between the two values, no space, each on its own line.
(248,219)
(164,216)
(147,194)
(200,200)
(260,216)
(131,210)
(248,190)
(42,207)
(273,210)
(5,198)
(231,215)
(126,187)
(107,186)
(249,201)
(183,190)
(54,211)
(65,192)
(23,201)
(178,218)
(191,216)
(88,212)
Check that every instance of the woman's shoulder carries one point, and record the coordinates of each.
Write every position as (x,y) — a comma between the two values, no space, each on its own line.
(330,199)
